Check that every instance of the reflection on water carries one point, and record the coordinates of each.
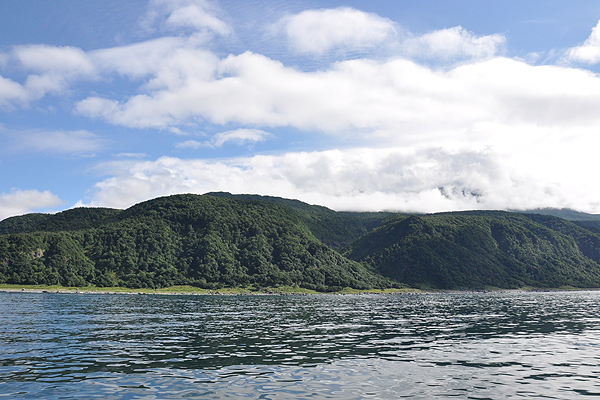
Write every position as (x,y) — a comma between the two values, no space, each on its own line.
(479,345)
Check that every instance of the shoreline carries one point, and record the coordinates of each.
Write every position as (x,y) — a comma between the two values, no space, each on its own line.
(284,291)
(176,290)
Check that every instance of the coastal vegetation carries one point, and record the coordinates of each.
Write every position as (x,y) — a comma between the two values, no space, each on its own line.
(258,244)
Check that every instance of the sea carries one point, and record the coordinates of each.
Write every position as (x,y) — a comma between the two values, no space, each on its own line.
(540,345)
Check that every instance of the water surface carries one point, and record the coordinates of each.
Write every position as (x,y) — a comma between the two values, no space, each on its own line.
(421,346)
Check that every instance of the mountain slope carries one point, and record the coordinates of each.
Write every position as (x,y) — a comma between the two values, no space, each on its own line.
(564,213)
(589,221)
(221,239)
(335,229)
(482,249)
(184,239)
(69,220)
(23,223)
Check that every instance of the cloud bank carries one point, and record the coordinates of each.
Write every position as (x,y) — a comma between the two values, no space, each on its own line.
(438,121)
(359,179)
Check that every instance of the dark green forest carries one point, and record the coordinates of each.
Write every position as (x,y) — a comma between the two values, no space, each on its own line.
(203,241)
(335,229)
(479,249)
(223,240)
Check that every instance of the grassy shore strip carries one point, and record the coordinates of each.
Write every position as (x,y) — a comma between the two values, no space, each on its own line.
(190,290)
(283,290)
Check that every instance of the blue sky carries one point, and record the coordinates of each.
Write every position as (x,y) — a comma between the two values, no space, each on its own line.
(411,105)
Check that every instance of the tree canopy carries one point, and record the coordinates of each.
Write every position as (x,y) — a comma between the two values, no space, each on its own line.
(203,241)
(223,240)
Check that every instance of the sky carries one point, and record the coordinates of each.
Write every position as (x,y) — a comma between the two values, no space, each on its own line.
(410,105)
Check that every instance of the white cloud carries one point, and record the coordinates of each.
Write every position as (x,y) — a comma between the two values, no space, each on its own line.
(181,83)
(38,86)
(452,43)
(404,179)
(51,59)
(11,92)
(397,98)
(238,136)
(197,17)
(490,117)
(139,60)
(318,31)
(200,15)
(132,155)
(191,144)
(17,202)
(588,52)
(97,107)
(69,142)
(55,68)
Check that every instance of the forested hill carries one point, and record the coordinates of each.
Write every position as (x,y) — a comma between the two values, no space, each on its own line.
(185,239)
(579,218)
(335,229)
(482,249)
(223,240)
(69,220)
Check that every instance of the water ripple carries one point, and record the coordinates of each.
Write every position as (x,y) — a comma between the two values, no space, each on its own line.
(466,345)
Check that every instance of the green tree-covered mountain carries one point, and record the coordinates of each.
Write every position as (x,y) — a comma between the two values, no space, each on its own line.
(185,239)
(70,220)
(482,249)
(335,229)
(580,218)
(224,240)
